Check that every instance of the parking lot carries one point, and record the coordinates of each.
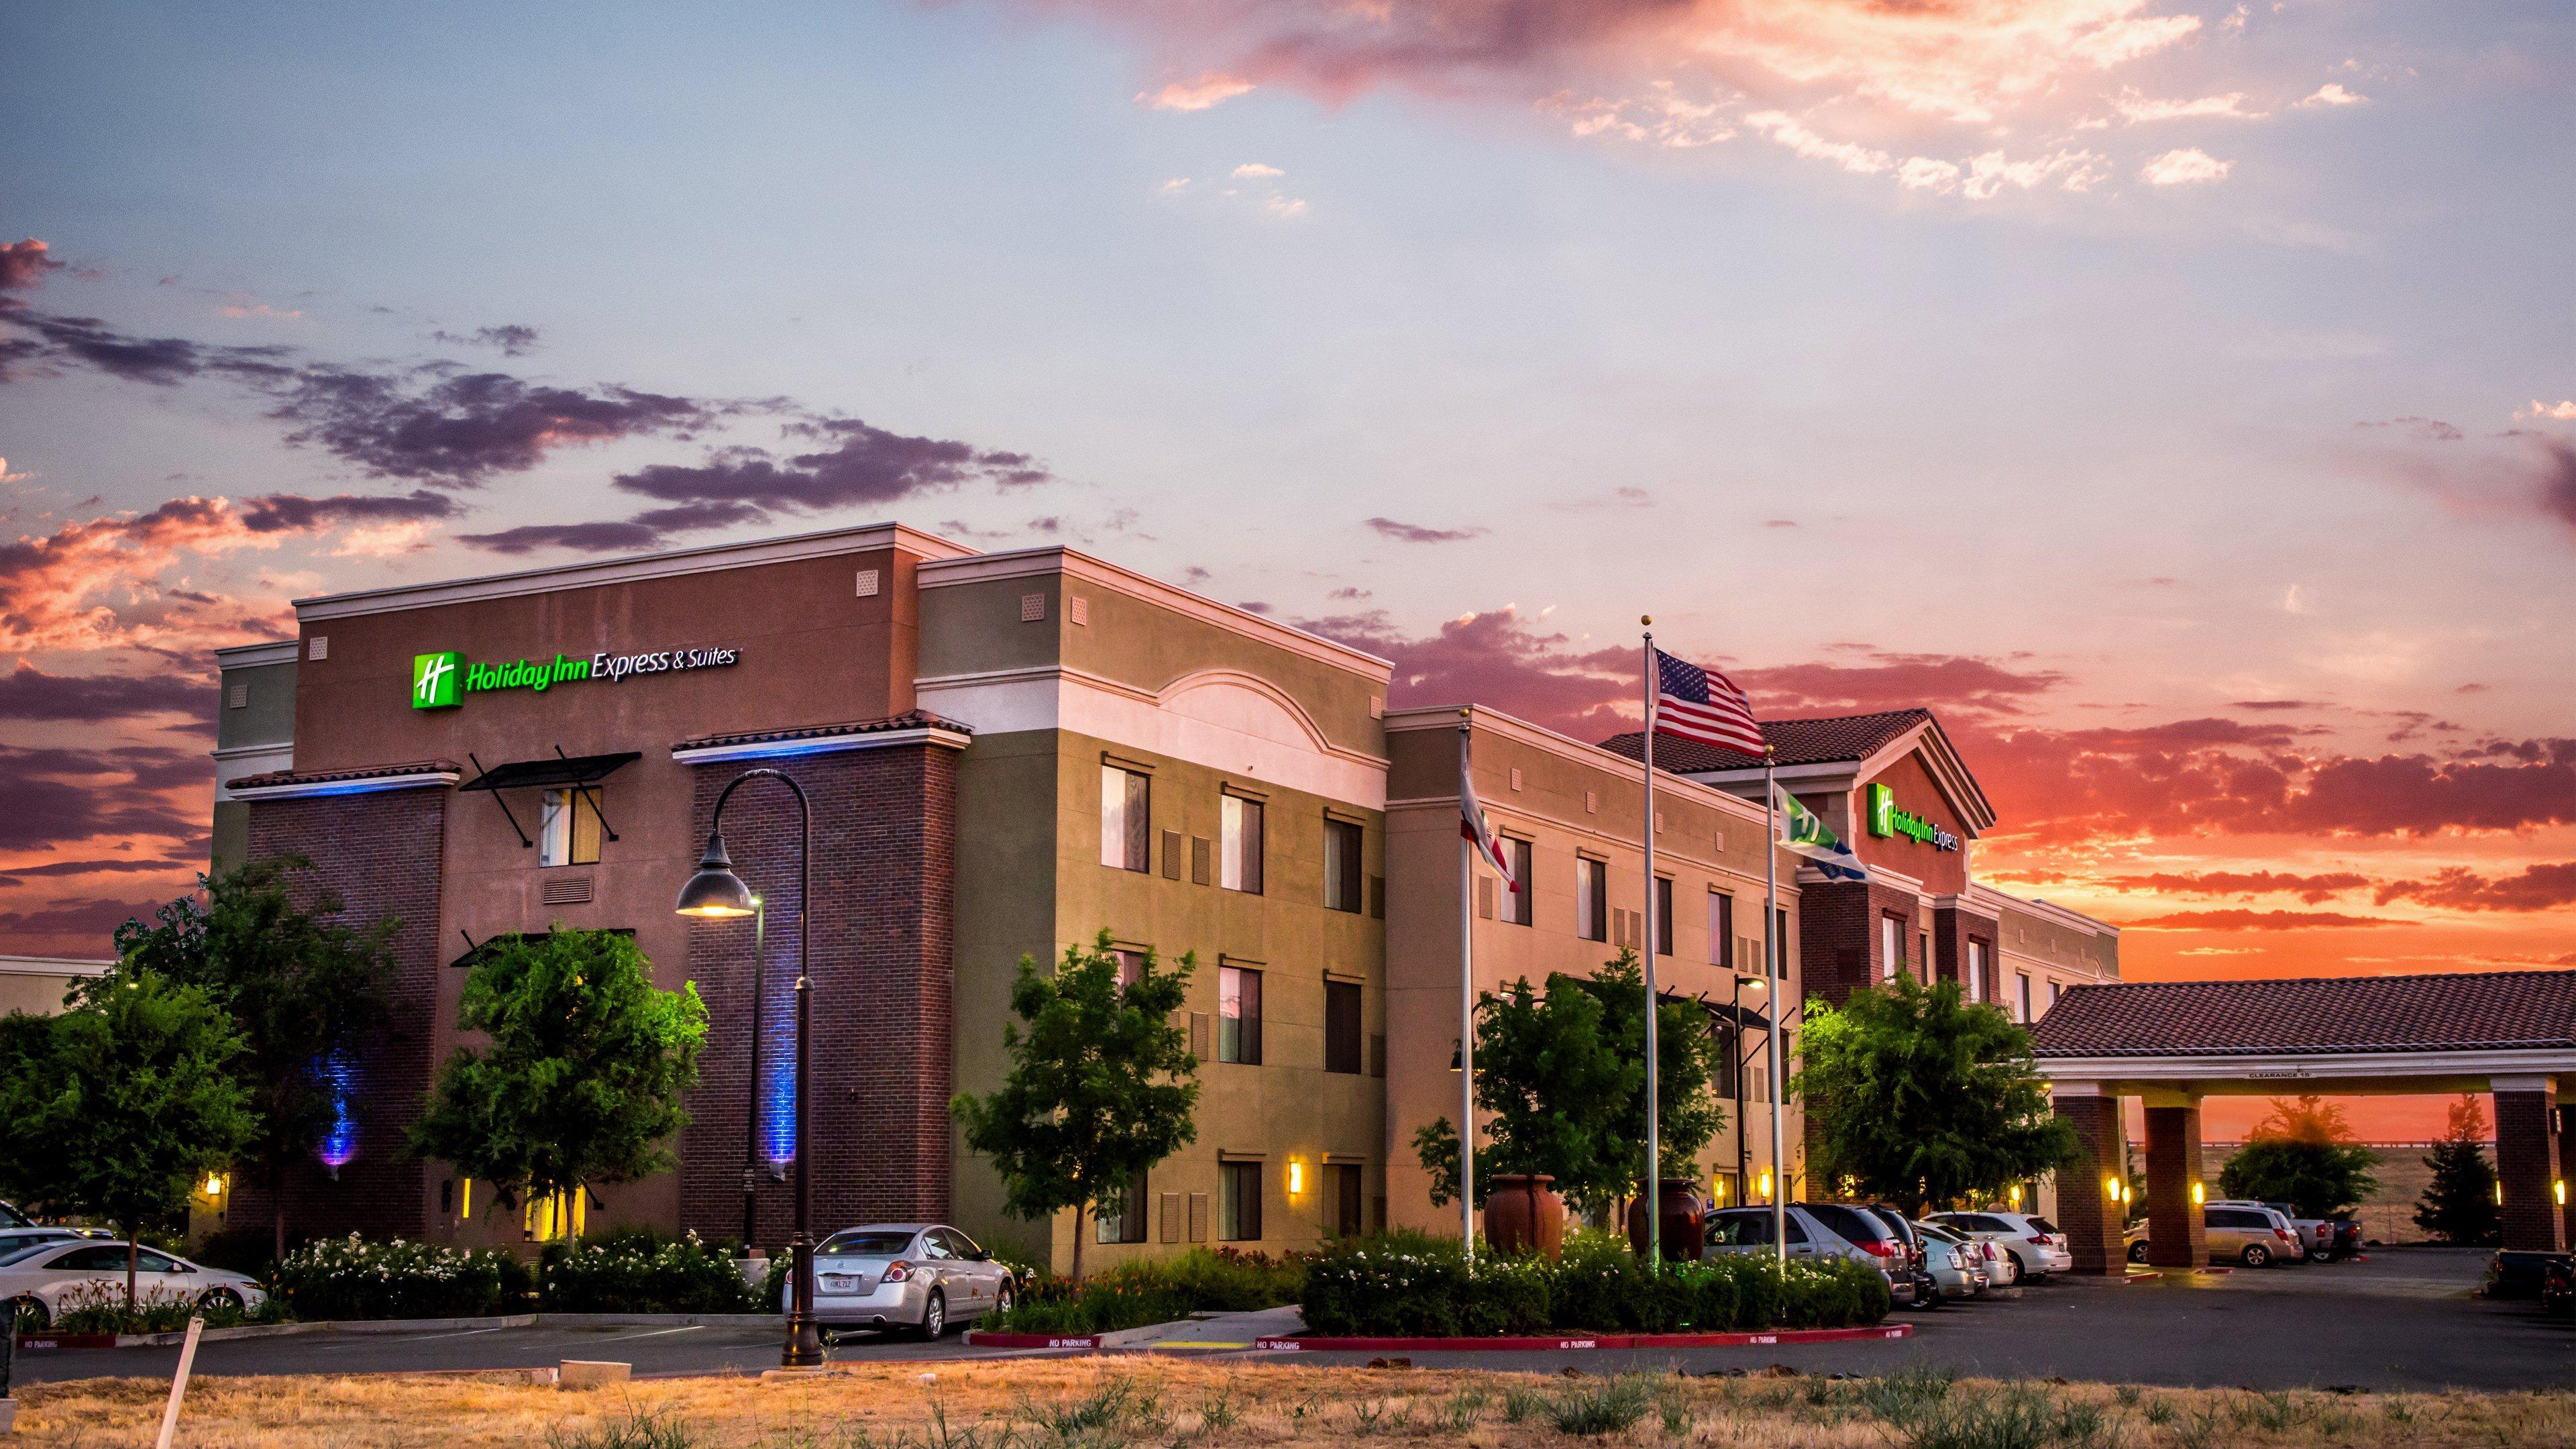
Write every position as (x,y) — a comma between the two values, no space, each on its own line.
(2403,1319)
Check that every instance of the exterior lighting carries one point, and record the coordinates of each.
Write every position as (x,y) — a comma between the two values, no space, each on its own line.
(2559,1186)
(2199,1194)
(215,1186)
(1296,1177)
(2111,1188)
(715,893)
(2014,1194)
(1766,1184)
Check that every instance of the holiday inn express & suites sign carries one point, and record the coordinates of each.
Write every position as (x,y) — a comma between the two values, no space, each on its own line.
(1887,818)
(441,681)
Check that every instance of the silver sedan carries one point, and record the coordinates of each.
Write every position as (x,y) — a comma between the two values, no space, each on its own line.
(921,1277)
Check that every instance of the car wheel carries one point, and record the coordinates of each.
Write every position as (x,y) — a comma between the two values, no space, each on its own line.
(1005,1300)
(2138,1252)
(223,1299)
(2257,1256)
(32,1315)
(934,1316)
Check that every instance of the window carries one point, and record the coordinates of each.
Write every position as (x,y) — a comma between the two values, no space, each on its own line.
(1923,956)
(1126,1222)
(1721,929)
(1976,970)
(1131,967)
(1238,1016)
(1126,817)
(1516,904)
(567,829)
(1239,852)
(1891,947)
(1342,1199)
(2021,1006)
(1663,916)
(1342,1027)
(1780,928)
(1238,1213)
(2056,989)
(1341,865)
(1591,899)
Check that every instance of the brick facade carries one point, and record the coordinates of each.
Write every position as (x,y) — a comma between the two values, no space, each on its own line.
(885,833)
(2527,1168)
(380,853)
(2085,1212)
(1838,935)
(2177,1235)
(1952,929)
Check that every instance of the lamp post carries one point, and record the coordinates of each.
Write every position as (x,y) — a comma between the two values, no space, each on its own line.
(1734,1049)
(751,1094)
(716,893)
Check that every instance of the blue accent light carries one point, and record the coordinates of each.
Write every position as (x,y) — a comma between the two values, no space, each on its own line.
(778,1073)
(340,1079)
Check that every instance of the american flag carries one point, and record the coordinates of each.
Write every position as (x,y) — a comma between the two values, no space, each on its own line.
(1704,705)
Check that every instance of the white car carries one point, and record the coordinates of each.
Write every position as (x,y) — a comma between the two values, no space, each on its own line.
(2037,1247)
(53,1279)
(917,1276)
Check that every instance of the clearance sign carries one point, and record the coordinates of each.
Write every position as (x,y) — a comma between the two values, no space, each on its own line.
(1887,818)
(441,681)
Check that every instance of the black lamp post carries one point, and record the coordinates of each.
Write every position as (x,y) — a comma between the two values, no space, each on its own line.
(716,893)
(1735,1049)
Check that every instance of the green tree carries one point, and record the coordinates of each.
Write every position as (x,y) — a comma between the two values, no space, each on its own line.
(116,1107)
(2458,1205)
(303,991)
(1561,1087)
(2302,1153)
(582,1080)
(1102,1086)
(1920,1098)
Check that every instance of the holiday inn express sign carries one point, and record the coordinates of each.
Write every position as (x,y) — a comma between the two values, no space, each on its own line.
(441,681)
(1887,818)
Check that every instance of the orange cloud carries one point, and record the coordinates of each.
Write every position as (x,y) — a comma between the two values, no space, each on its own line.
(99,584)
(2184,166)
(1195,95)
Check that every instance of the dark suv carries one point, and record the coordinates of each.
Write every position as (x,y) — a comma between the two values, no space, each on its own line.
(1927,1288)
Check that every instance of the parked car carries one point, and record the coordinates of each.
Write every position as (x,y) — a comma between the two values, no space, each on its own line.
(2251,1234)
(2137,1239)
(1927,1286)
(1748,1230)
(2346,1242)
(2037,1247)
(2521,1273)
(10,1217)
(1958,1264)
(2315,1234)
(2558,1286)
(48,1280)
(922,1277)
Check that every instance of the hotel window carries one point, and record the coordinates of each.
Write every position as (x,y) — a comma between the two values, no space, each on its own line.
(1891,946)
(1239,848)
(1342,1027)
(567,829)
(1126,817)
(1124,1223)
(1721,929)
(1663,916)
(1341,865)
(1780,930)
(1238,1213)
(1342,1199)
(1591,899)
(1238,1015)
(2056,989)
(1516,904)
(1923,957)
(2021,1004)
(1131,966)
(1976,970)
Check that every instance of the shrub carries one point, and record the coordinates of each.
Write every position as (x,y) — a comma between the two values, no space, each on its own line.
(339,1278)
(1156,1290)
(100,1308)
(642,1271)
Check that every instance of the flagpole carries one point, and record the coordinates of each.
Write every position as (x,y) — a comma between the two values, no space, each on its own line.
(1654,1115)
(1466,1011)
(1772,948)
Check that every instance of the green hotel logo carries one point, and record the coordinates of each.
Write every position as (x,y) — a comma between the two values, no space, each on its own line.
(436,680)
(1885,819)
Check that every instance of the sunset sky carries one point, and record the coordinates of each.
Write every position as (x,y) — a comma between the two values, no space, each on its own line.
(2178,398)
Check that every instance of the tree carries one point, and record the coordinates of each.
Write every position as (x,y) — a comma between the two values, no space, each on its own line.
(116,1107)
(582,1080)
(303,991)
(1920,1098)
(2458,1205)
(1101,1086)
(1561,1087)
(2302,1153)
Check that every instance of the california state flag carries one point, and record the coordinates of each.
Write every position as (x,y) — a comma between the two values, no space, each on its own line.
(1477,828)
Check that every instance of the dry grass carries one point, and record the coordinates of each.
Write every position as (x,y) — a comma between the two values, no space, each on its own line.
(1155,1403)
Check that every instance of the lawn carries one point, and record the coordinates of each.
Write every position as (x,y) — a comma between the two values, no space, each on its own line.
(1160,1403)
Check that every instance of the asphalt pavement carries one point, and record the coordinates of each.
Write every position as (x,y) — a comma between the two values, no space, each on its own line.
(2403,1319)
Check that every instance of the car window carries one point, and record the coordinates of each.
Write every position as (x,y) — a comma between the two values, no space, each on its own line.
(933,1246)
(1741,1229)
(959,1245)
(151,1262)
(1852,1223)
(2042,1225)
(22,1251)
(867,1243)
(91,1260)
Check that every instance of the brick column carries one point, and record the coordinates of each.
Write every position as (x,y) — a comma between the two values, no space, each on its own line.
(2086,1213)
(2527,1162)
(2176,1235)
(2566,1155)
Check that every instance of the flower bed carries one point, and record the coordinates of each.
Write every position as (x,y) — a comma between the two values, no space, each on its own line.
(1155,1290)
(643,1272)
(1409,1285)
(345,1278)
(101,1308)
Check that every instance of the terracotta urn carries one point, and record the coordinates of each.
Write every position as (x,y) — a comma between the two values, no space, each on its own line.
(1685,1224)
(1523,1214)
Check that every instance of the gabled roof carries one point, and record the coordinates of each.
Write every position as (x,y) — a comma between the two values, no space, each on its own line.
(1852,737)
(2463,1011)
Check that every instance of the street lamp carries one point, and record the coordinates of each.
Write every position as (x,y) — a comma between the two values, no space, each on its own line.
(751,1092)
(1743,980)
(716,893)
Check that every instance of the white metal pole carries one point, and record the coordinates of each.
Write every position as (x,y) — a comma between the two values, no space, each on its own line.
(179,1383)
(1654,1114)
(1466,1009)
(1773,959)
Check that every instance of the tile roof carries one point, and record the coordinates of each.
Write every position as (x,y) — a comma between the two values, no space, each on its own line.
(2463,1011)
(1793,742)
(333,777)
(915,719)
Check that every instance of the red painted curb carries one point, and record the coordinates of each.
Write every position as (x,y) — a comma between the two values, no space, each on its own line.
(67,1340)
(980,1339)
(1779,1336)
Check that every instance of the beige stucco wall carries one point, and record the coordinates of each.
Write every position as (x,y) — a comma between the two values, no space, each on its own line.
(36,984)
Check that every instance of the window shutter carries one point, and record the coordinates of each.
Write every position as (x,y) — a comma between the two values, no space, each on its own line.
(1198,1217)
(1377,897)
(1484,905)
(1171,1214)
(1199,847)
(1171,855)
(1199,1035)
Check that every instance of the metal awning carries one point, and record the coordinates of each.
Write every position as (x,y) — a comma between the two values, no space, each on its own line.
(563,769)
(1741,1016)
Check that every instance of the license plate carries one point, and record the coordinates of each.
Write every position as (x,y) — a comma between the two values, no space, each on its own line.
(840,1282)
